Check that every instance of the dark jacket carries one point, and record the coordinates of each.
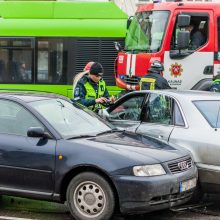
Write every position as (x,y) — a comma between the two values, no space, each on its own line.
(215,87)
(160,83)
(197,39)
(80,92)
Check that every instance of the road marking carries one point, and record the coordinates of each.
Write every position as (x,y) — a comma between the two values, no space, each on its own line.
(15,218)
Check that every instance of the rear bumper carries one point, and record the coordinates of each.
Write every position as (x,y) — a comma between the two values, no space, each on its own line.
(146,194)
(209,179)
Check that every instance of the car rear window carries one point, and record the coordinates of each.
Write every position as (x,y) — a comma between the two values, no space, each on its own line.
(210,111)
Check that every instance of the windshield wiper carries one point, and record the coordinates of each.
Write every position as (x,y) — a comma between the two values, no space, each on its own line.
(80,136)
(61,104)
(109,131)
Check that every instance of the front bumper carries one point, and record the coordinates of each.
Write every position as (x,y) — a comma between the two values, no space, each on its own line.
(146,194)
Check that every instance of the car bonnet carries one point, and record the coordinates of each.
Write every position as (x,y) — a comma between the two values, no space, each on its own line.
(135,146)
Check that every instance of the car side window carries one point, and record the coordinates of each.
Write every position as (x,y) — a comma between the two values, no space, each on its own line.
(15,119)
(209,110)
(128,110)
(178,118)
(158,109)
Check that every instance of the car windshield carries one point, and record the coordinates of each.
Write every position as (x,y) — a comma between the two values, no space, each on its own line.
(210,111)
(146,31)
(69,120)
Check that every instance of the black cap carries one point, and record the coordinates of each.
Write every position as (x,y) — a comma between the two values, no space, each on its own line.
(96,69)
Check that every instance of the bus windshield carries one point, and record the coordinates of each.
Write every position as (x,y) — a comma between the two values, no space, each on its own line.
(146,31)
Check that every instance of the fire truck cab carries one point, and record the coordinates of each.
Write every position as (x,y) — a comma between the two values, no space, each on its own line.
(185,36)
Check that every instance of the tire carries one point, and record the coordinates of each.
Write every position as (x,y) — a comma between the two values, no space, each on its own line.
(90,197)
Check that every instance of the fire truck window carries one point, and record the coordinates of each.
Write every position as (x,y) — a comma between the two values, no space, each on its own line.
(198,29)
(146,31)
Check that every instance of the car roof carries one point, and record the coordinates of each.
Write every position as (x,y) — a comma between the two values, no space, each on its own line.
(188,94)
(30,97)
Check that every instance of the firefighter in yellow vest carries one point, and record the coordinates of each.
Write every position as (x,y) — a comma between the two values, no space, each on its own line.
(154,79)
(91,90)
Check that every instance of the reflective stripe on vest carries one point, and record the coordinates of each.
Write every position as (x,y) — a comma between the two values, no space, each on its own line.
(151,81)
(91,93)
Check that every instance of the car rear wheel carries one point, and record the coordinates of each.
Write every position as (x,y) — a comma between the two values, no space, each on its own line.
(89,196)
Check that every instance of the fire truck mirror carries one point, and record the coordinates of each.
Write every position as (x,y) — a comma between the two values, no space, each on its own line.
(183,20)
(129,21)
(117,46)
(183,40)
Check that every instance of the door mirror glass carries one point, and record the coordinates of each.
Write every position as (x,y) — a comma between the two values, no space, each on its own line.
(35,132)
(183,20)
(183,40)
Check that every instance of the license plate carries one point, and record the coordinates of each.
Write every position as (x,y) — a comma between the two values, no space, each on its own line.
(187,185)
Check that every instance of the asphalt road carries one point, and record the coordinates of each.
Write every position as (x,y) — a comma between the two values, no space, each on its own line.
(12,208)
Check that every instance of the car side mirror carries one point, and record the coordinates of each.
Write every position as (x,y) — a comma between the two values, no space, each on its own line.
(183,40)
(183,20)
(37,132)
(129,21)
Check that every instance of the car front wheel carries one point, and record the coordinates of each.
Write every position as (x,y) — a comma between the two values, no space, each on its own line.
(89,196)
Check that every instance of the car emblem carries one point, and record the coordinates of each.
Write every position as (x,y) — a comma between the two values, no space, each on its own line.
(176,69)
(183,165)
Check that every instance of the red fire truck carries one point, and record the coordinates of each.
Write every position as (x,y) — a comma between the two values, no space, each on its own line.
(160,31)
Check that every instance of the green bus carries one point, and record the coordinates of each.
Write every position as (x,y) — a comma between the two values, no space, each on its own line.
(43,44)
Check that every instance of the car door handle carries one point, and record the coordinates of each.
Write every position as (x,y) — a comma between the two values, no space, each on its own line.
(160,136)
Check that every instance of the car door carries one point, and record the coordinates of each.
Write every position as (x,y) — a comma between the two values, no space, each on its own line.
(126,112)
(157,117)
(26,164)
(179,66)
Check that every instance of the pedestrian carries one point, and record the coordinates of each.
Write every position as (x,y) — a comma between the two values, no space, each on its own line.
(78,76)
(91,90)
(197,38)
(154,80)
(215,87)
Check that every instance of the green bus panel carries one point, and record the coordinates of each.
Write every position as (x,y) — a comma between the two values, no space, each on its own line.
(60,10)
(65,90)
(63,28)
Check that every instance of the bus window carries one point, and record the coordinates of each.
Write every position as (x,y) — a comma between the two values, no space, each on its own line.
(16,60)
(50,61)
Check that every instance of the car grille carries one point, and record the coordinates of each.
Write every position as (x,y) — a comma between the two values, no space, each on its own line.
(181,165)
(131,80)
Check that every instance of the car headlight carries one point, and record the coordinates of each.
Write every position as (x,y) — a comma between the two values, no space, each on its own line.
(149,170)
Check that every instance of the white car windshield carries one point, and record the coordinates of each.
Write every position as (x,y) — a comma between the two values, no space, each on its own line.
(69,120)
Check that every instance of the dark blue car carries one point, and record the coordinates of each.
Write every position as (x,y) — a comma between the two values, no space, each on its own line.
(51,149)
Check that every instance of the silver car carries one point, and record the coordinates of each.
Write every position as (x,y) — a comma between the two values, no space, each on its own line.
(190,119)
